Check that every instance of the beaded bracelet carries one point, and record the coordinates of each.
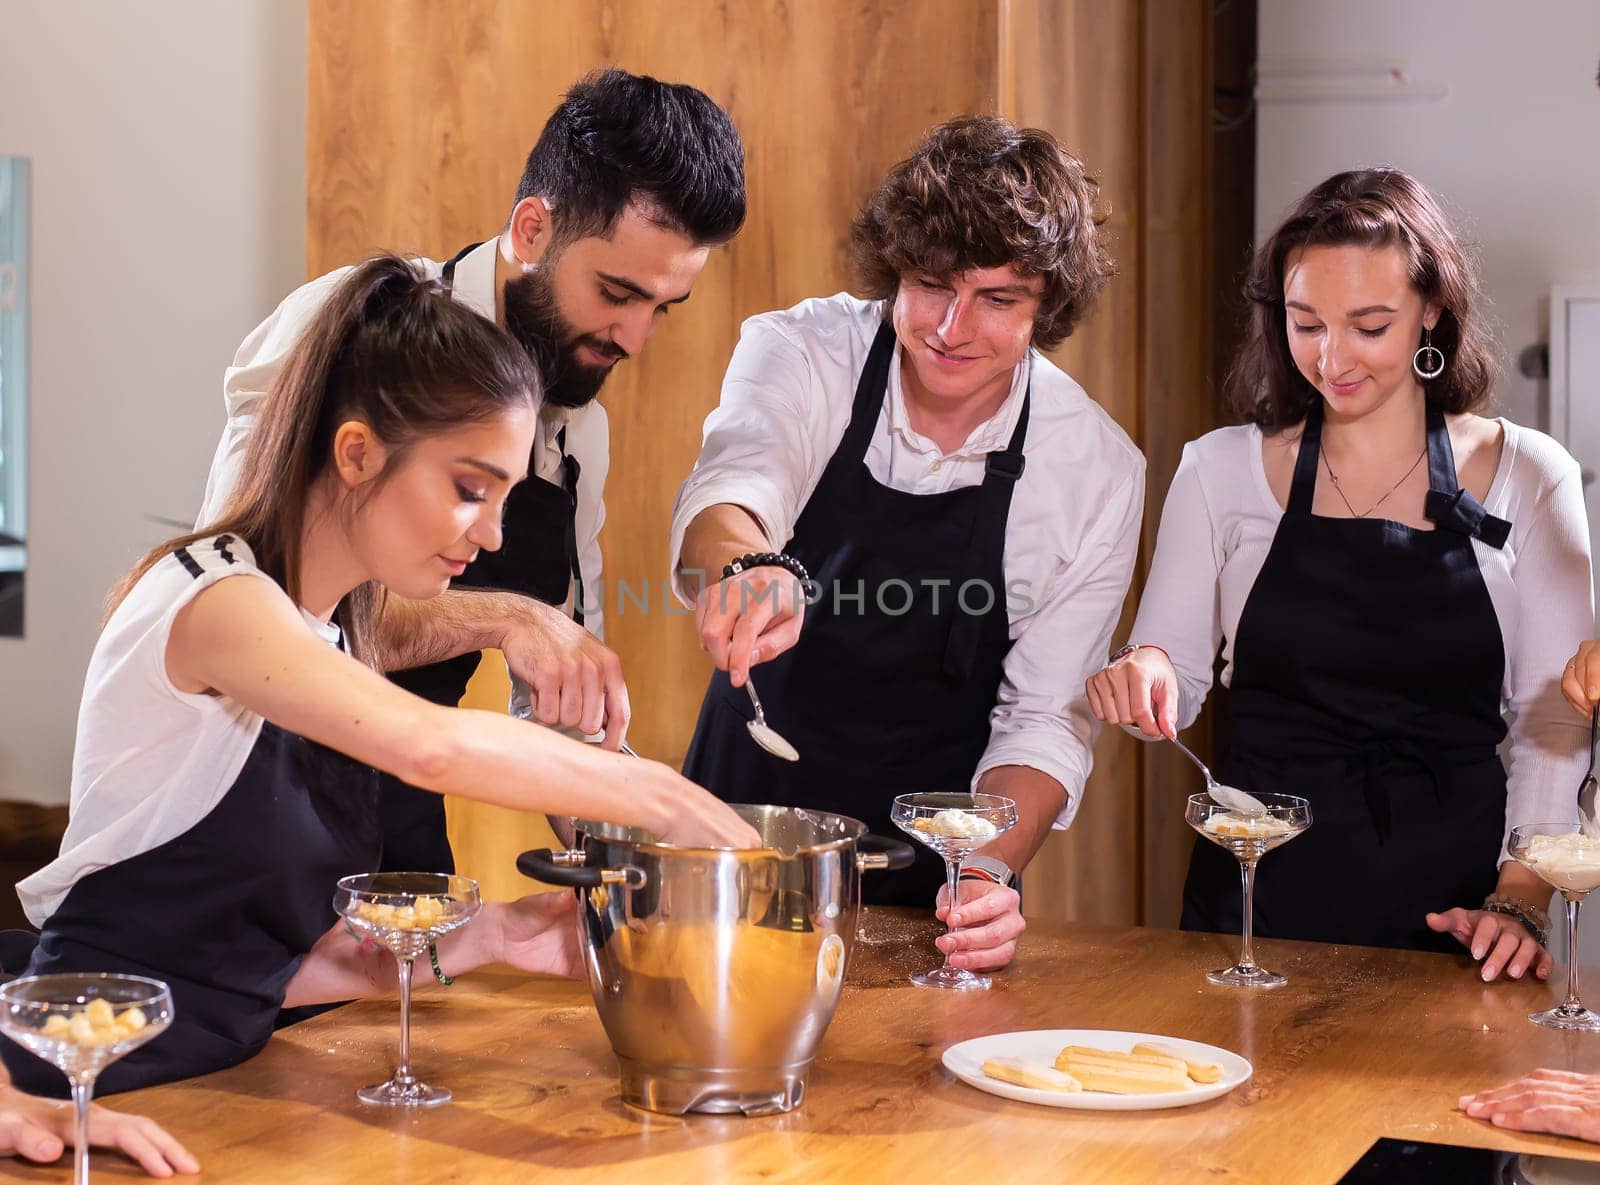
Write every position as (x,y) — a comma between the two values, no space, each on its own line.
(438,972)
(1533,919)
(766,559)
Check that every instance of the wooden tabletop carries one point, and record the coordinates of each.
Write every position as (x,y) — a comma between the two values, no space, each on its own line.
(1361,1044)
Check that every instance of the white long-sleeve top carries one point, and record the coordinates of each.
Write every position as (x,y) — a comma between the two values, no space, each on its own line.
(1070,540)
(1218,524)
(262,354)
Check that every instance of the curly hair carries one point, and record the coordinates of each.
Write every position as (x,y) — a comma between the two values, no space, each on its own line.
(1367,208)
(980,192)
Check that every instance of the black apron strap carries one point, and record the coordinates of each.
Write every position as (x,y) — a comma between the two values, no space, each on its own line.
(1302,491)
(570,469)
(449,276)
(1002,470)
(870,389)
(1450,507)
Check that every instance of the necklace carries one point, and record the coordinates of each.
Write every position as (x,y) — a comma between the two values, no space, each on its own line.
(1334,478)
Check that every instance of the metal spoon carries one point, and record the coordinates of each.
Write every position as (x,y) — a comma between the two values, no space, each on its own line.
(1586,790)
(765,736)
(1227,796)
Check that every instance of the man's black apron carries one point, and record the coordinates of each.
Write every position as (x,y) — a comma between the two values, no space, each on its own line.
(538,558)
(890,687)
(1367,674)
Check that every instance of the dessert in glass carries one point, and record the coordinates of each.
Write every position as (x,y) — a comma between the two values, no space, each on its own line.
(406,912)
(81,1024)
(1249,836)
(1569,862)
(955,826)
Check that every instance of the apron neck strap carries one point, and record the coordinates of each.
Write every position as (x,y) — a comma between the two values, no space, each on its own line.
(871,389)
(986,543)
(449,275)
(1441,456)
(1304,486)
(1449,506)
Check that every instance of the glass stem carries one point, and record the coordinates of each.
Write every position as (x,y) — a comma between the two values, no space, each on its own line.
(1247,954)
(1571,1004)
(82,1090)
(952,872)
(402,1074)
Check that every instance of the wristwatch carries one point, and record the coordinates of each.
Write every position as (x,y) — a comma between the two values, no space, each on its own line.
(987,868)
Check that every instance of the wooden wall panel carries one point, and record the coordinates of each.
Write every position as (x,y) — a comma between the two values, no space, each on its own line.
(1175,313)
(1072,67)
(420,115)
(1125,85)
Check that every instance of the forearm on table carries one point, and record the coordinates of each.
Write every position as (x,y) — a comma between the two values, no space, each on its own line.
(416,633)
(342,967)
(1039,798)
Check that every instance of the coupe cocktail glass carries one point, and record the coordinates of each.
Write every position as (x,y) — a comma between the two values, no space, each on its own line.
(406,912)
(1249,837)
(955,826)
(81,1024)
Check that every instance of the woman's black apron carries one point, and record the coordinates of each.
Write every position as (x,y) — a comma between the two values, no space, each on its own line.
(223,913)
(538,558)
(891,684)
(1367,675)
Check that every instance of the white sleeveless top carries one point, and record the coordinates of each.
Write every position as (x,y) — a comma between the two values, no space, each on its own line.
(150,761)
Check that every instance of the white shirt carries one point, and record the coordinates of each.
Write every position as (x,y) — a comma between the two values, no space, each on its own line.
(1219,521)
(1071,537)
(150,761)
(262,355)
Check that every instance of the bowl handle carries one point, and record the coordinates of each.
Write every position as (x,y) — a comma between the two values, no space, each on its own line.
(571,868)
(876,853)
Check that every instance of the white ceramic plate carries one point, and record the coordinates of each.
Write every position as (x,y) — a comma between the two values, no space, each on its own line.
(966,1060)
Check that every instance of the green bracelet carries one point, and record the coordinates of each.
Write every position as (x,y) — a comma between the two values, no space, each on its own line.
(438,972)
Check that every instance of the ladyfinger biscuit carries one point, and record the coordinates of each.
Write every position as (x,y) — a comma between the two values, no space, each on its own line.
(1165,1061)
(1123,1073)
(1199,1071)
(1112,1079)
(1030,1074)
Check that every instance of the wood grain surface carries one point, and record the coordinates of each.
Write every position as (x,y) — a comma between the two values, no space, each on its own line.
(420,115)
(1361,1044)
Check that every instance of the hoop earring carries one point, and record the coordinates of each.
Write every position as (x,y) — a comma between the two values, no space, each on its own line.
(1428,361)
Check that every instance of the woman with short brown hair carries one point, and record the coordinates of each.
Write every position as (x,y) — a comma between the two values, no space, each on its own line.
(1388,575)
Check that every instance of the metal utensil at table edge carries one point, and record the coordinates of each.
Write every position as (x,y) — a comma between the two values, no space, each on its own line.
(1586,789)
(1226,796)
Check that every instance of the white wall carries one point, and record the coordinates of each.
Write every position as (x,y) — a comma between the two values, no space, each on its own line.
(168,211)
(1513,148)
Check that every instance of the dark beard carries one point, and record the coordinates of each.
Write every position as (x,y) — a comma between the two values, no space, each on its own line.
(533,319)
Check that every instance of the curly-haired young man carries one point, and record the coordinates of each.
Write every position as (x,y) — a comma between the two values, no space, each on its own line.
(967,516)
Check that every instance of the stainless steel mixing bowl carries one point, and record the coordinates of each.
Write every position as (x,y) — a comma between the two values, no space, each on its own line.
(716,971)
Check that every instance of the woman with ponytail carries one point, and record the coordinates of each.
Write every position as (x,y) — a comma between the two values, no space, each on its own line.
(232,725)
